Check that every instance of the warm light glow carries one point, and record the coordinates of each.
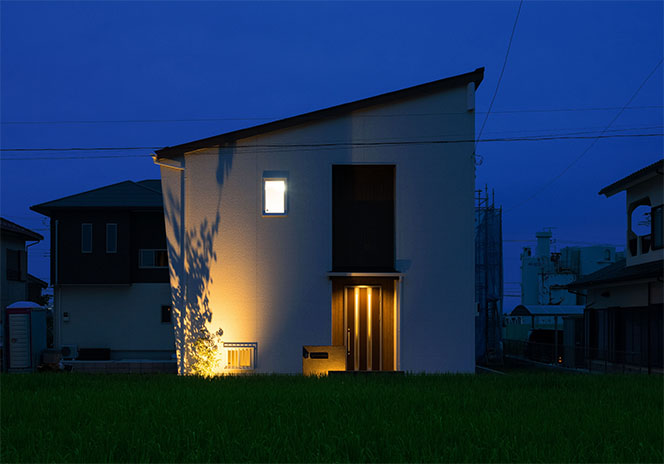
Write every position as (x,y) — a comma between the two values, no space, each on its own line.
(369,352)
(356,344)
(275,196)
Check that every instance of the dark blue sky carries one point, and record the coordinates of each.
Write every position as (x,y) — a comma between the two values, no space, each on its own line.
(248,61)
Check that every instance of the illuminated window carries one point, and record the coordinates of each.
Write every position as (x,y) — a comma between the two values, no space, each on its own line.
(153,259)
(274,196)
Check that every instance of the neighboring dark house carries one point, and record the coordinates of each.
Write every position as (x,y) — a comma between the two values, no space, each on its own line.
(109,271)
(15,280)
(625,303)
(35,290)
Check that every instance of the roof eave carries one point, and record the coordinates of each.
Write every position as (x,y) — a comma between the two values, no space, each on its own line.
(475,76)
(635,178)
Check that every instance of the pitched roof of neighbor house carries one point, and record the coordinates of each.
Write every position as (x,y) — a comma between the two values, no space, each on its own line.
(331,112)
(620,272)
(655,169)
(27,234)
(547,310)
(127,194)
(36,280)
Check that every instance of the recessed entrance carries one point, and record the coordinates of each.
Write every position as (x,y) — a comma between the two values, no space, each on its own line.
(364,322)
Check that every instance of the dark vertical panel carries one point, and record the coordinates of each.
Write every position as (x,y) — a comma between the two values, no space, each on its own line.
(363,217)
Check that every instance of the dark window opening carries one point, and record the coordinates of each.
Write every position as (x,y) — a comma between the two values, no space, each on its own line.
(363,217)
(16,265)
(153,259)
(166,314)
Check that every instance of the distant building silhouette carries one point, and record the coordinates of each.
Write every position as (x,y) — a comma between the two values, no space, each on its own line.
(545,274)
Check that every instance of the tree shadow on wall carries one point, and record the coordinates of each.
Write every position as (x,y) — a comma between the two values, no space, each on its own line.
(191,253)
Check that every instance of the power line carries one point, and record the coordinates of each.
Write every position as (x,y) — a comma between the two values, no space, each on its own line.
(315,146)
(592,144)
(502,71)
(272,118)
(568,135)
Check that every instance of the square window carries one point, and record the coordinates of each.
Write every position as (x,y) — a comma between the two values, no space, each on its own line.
(274,196)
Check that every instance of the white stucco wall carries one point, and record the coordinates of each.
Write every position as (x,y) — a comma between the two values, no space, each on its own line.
(264,279)
(123,318)
(652,189)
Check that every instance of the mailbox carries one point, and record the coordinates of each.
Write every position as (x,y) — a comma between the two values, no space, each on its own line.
(319,359)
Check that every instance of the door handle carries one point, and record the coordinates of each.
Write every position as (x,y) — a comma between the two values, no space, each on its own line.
(348,339)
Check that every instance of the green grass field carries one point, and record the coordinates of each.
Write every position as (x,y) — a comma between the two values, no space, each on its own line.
(541,417)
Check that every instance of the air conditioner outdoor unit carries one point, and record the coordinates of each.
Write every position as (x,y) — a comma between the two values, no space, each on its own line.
(69,351)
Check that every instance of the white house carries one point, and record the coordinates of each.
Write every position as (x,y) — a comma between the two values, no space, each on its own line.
(351,225)
(625,301)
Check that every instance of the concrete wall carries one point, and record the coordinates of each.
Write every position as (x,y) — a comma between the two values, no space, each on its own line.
(126,319)
(264,279)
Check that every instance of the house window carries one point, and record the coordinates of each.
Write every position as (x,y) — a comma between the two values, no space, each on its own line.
(657,227)
(275,196)
(16,265)
(86,238)
(166,314)
(240,356)
(152,259)
(111,238)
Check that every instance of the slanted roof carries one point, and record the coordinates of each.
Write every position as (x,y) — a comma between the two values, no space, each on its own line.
(619,272)
(125,194)
(154,184)
(547,310)
(331,112)
(37,281)
(22,232)
(655,169)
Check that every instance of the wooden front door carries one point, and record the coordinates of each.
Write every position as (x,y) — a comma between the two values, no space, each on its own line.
(363,321)
(362,315)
